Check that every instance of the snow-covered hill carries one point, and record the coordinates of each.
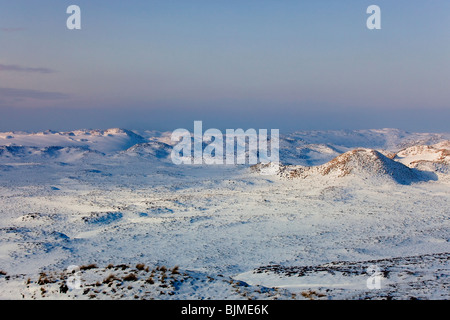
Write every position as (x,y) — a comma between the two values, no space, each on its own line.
(387,139)
(39,154)
(366,164)
(110,140)
(152,149)
(433,158)
(438,153)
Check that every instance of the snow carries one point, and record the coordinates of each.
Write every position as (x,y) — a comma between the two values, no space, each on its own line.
(115,198)
(362,164)
(439,152)
(99,140)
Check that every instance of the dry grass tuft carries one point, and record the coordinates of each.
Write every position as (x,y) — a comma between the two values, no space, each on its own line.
(150,280)
(110,279)
(162,269)
(130,277)
(311,294)
(140,266)
(89,266)
(175,270)
(44,279)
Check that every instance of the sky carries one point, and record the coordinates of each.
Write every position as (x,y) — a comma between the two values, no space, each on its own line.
(274,64)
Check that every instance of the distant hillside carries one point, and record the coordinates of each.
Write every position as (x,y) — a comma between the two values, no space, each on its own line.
(302,148)
(439,153)
(38,154)
(110,140)
(387,139)
(152,149)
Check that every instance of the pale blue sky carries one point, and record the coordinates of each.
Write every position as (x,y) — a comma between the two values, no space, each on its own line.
(237,63)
